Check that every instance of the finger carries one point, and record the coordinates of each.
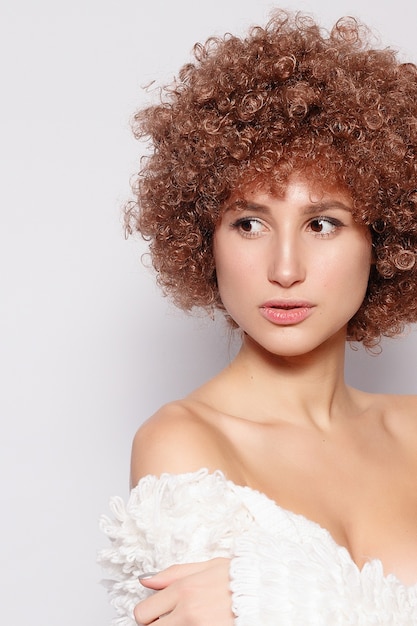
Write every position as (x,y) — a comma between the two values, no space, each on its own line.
(153,607)
(150,580)
(173,573)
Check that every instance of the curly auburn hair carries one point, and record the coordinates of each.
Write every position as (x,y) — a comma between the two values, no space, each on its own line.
(250,111)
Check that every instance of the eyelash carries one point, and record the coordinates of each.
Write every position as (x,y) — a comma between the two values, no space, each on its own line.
(237,225)
(335,223)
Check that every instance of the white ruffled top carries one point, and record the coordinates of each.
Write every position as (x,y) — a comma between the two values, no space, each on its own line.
(285,571)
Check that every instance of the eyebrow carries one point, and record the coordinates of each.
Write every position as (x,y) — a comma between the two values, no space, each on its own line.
(310,209)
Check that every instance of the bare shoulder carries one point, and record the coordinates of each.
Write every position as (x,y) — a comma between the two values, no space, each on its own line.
(404,407)
(176,439)
(400,415)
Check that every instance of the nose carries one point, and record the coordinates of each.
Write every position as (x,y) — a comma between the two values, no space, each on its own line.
(287,260)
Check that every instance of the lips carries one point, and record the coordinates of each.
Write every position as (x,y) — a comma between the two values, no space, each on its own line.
(286,304)
(286,312)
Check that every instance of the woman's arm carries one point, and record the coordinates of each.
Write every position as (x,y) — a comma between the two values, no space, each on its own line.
(192,517)
(176,441)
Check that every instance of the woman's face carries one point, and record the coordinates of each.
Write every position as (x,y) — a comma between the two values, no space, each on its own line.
(292,270)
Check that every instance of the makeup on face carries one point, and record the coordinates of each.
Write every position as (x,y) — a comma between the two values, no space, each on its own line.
(292,270)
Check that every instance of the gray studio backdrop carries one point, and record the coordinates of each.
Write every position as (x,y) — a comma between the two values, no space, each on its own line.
(89,348)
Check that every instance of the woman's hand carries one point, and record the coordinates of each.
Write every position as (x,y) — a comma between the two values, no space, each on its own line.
(195,594)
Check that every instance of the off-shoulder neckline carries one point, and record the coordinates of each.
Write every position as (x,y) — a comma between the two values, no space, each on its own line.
(274,508)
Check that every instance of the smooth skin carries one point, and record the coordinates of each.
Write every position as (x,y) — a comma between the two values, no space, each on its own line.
(186,593)
(292,271)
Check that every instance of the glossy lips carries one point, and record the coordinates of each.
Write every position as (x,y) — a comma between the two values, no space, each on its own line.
(286,312)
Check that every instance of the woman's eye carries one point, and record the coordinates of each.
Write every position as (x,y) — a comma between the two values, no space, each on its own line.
(324,225)
(249,226)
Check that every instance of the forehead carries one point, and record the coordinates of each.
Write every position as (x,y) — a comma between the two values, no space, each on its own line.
(295,190)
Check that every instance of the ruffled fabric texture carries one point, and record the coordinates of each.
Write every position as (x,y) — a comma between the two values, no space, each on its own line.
(167,520)
(289,571)
(286,570)
(288,584)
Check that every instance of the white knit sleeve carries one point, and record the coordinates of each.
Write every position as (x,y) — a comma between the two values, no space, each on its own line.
(284,583)
(167,520)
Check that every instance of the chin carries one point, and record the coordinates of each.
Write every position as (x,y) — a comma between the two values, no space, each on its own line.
(291,346)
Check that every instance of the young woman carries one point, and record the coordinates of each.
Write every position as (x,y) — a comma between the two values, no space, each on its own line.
(282,189)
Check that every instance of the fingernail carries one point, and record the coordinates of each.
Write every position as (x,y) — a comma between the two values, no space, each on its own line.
(147,575)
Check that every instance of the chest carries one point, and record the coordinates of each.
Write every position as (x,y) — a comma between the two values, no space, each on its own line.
(365,496)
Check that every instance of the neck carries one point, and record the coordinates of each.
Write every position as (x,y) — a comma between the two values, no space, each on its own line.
(308,388)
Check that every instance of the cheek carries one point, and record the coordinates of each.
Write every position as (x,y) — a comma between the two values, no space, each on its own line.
(225,269)
(347,274)
(231,263)
(355,270)
(236,274)
(229,279)
(364,262)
